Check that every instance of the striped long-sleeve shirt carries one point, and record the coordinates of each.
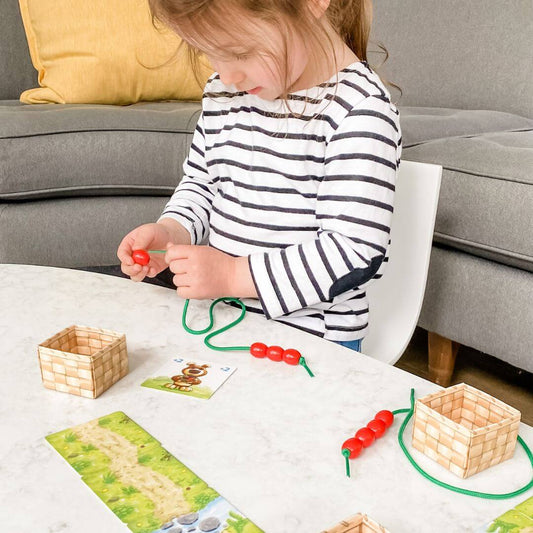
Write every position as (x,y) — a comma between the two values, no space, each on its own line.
(306,194)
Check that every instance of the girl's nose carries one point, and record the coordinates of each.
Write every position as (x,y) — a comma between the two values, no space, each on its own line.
(229,75)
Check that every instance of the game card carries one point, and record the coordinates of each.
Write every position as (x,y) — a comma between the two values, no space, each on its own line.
(142,483)
(193,378)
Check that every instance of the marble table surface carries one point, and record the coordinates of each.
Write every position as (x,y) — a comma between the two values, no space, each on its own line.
(268,440)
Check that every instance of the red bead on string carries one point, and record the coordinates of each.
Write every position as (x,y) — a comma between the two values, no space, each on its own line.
(386,416)
(366,436)
(378,427)
(141,257)
(291,356)
(351,449)
(258,349)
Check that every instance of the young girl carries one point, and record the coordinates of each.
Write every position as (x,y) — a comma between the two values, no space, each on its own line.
(290,176)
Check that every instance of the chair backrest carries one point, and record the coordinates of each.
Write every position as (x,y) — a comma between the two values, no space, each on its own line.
(396,299)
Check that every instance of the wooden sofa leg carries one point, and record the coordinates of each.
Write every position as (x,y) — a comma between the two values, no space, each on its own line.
(442,354)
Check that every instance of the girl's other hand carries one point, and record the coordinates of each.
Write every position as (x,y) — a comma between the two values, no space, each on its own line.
(200,271)
(146,237)
(204,272)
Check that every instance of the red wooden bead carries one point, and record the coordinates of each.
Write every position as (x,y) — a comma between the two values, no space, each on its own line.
(354,446)
(366,436)
(258,349)
(275,353)
(377,426)
(141,257)
(386,416)
(291,356)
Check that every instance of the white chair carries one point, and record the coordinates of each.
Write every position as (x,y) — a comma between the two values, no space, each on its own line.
(396,299)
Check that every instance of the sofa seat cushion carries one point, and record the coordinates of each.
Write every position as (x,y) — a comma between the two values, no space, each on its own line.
(52,151)
(421,124)
(486,198)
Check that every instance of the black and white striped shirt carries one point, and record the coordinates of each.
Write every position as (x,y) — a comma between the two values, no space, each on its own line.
(307,196)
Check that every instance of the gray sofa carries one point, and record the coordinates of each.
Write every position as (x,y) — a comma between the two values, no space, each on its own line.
(75,178)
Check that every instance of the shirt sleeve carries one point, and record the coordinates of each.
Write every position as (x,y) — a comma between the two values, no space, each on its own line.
(353,209)
(191,202)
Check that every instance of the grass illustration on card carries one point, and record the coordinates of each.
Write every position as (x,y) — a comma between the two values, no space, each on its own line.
(519,519)
(143,484)
(199,379)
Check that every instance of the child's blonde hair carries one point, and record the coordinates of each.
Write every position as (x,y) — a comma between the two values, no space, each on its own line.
(351,19)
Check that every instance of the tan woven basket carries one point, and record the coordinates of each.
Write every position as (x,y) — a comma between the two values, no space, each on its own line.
(359,523)
(83,361)
(464,429)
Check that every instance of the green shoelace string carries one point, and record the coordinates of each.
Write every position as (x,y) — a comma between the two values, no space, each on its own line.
(207,339)
(460,490)
(211,323)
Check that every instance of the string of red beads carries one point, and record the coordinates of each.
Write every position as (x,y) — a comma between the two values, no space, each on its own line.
(275,353)
(364,437)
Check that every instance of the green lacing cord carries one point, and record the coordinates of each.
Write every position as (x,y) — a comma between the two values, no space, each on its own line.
(212,321)
(451,487)
(346,454)
(301,362)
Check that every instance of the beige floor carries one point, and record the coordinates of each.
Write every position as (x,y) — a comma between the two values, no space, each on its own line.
(508,384)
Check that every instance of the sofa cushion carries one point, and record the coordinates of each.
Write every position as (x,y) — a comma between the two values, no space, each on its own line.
(49,150)
(480,303)
(486,199)
(465,55)
(17,71)
(34,232)
(421,124)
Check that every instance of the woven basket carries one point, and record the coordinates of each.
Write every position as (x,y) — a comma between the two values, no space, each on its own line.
(83,361)
(359,523)
(465,430)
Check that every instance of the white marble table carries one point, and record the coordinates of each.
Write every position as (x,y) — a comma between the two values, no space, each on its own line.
(268,440)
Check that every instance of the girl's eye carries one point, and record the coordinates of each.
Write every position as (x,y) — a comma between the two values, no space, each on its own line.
(241,57)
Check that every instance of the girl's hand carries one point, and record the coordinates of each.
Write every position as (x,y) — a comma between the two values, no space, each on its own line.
(145,237)
(203,272)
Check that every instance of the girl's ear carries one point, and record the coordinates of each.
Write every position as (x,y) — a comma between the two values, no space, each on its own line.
(318,7)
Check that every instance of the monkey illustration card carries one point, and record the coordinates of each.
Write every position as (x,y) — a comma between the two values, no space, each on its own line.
(193,378)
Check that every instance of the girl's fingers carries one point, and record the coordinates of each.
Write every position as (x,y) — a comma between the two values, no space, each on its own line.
(153,271)
(140,275)
(184,292)
(178,266)
(176,252)
(180,280)
(129,270)
(135,272)
(124,255)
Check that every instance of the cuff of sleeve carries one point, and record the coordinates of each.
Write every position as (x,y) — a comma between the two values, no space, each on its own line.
(265,292)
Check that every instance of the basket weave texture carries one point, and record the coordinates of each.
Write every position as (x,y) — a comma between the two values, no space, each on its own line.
(83,360)
(359,523)
(464,429)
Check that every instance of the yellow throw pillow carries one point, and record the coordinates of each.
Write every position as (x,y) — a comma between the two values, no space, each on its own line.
(104,52)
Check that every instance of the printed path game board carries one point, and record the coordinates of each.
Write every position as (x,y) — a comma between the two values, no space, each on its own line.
(516,520)
(141,482)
